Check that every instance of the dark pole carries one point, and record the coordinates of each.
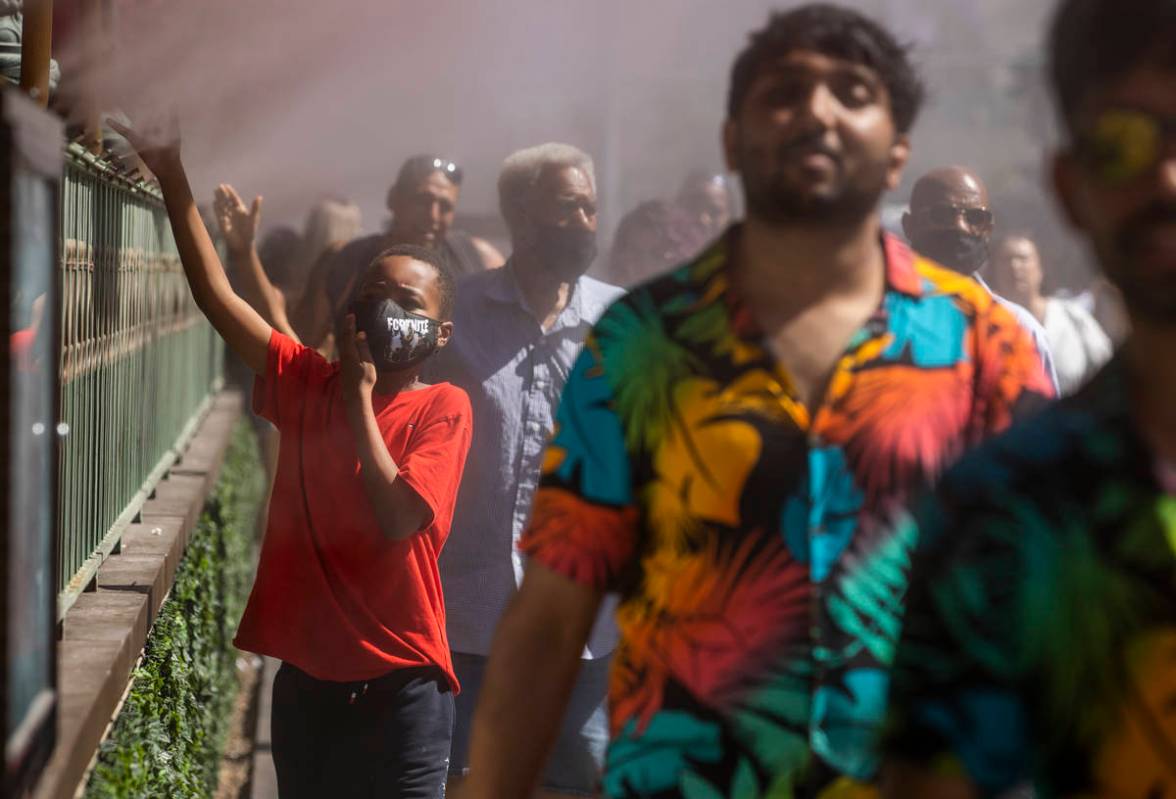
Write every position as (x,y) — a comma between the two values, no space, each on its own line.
(36,42)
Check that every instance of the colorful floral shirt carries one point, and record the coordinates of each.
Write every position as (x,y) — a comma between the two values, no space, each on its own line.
(759,589)
(1040,642)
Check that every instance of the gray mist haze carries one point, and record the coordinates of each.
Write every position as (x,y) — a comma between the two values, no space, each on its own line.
(297,99)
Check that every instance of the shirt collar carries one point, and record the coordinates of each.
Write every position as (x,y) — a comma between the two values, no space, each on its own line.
(504,288)
(901,274)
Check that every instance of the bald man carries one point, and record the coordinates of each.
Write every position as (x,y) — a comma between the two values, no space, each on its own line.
(708,197)
(950,222)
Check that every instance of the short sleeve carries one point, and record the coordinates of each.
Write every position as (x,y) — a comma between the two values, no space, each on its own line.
(1012,378)
(435,457)
(956,702)
(292,370)
(584,522)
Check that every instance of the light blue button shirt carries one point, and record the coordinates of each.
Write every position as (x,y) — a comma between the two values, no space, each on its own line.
(514,373)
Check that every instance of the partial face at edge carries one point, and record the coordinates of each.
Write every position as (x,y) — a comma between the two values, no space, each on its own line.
(1132,223)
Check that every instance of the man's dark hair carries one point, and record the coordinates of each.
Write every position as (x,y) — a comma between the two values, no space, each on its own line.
(1094,42)
(836,32)
(446,283)
(418,167)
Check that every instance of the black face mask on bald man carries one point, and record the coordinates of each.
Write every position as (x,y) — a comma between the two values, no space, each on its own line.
(397,338)
(965,253)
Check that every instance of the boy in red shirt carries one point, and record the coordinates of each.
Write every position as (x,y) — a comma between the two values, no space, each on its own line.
(347,593)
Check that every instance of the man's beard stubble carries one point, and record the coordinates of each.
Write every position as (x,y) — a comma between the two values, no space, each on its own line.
(1150,296)
(773,197)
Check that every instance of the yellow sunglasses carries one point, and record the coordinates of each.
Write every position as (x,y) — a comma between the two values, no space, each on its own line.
(1124,144)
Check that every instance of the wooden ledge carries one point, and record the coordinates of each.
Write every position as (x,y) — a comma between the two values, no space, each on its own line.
(103,634)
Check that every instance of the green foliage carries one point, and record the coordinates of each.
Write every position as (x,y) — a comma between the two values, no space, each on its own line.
(168,738)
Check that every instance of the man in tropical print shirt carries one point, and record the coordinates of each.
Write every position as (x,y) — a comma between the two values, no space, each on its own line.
(1040,639)
(730,443)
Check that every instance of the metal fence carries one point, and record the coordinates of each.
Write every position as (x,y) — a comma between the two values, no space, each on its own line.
(139,362)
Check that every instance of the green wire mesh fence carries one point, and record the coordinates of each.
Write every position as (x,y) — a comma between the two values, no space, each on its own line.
(139,362)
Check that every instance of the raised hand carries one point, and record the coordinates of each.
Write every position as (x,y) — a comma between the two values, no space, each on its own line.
(157,141)
(242,328)
(359,368)
(238,223)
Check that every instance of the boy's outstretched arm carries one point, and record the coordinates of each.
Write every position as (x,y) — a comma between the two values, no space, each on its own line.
(242,328)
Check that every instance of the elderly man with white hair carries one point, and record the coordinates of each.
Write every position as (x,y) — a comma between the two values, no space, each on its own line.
(517,332)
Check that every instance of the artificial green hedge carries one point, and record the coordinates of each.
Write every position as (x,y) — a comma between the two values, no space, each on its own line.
(167,740)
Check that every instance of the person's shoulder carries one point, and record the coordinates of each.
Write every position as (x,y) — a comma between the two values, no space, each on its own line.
(445,400)
(1073,309)
(599,290)
(1029,461)
(620,333)
(598,296)
(479,282)
(940,280)
(1022,315)
(985,306)
(286,350)
(362,249)
(474,289)
(668,293)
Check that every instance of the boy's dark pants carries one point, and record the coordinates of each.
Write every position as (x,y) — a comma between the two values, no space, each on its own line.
(348,741)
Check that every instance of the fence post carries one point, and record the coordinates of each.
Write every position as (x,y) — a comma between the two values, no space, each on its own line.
(36,44)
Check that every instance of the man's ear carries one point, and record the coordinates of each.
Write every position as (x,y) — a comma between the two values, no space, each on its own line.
(730,138)
(908,226)
(1065,175)
(900,155)
(444,334)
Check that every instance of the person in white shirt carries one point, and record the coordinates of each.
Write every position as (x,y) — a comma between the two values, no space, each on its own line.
(1078,343)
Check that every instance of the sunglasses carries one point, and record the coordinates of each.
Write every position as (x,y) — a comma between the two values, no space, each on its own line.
(451,170)
(1124,144)
(947,215)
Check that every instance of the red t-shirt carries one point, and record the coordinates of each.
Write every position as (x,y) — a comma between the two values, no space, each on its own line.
(334,596)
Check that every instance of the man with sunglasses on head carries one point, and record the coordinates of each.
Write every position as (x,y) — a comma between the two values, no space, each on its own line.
(1040,637)
(950,222)
(423,203)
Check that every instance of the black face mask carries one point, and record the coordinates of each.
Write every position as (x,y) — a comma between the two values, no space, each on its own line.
(566,251)
(963,252)
(397,338)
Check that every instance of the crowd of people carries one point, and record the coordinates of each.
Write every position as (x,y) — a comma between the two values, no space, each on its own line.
(785,506)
